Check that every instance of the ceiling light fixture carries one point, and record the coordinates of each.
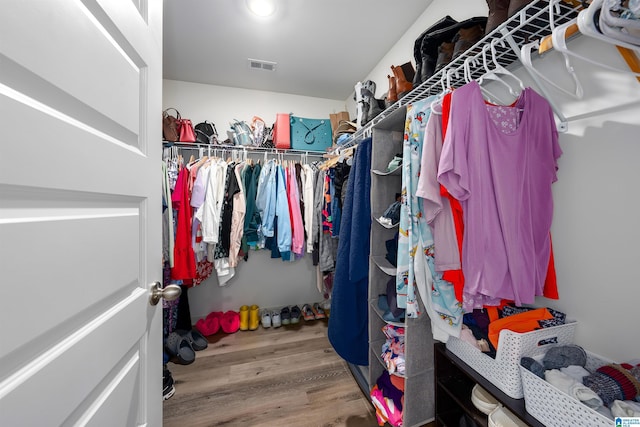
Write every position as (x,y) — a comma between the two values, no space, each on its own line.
(262,8)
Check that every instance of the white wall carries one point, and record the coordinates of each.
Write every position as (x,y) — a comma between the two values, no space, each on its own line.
(221,105)
(264,281)
(595,227)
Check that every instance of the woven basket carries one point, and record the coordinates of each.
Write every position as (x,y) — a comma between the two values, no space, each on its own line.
(503,371)
(554,408)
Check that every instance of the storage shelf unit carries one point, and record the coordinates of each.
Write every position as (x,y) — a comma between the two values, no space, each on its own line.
(418,397)
(454,381)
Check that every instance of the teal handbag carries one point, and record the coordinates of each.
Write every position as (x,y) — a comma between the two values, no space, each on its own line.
(310,134)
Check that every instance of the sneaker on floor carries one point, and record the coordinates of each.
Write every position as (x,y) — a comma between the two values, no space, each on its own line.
(295,314)
(276,321)
(318,312)
(266,319)
(168,388)
(285,315)
(307,313)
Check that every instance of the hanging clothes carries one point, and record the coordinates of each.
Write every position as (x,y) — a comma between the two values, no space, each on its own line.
(252,219)
(436,207)
(167,219)
(308,198)
(221,250)
(282,215)
(438,295)
(209,214)
(297,225)
(266,198)
(184,259)
(237,220)
(411,208)
(503,180)
(348,323)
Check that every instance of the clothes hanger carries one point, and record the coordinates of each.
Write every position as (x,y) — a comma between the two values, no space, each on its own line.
(491,75)
(499,69)
(546,43)
(559,41)
(450,72)
(586,21)
(466,66)
(525,58)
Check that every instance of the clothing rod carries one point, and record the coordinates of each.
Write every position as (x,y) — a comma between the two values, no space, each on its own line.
(248,149)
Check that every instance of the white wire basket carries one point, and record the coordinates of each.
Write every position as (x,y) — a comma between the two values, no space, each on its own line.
(503,371)
(555,408)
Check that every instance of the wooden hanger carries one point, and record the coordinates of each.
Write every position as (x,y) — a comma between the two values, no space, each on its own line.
(343,154)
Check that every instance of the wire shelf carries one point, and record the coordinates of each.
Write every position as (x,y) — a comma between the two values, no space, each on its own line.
(531,23)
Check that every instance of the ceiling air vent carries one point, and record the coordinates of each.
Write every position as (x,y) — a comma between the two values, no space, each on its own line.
(259,64)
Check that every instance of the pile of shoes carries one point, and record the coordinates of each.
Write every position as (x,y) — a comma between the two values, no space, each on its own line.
(400,82)
(501,10)
(368,106)
(391,216)
(181,345)
(388,303)
(228,321)
(443,42)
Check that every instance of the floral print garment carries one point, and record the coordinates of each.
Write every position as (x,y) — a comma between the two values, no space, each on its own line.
(411,208)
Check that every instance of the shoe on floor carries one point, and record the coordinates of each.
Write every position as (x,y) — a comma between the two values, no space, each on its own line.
(276,321)
(254,317)
(244,318)
(307,313)
(266,319)
(295,314)
(318,312)
(168,389)
(285,316)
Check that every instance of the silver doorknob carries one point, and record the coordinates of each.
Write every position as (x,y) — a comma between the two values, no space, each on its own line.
(169,292)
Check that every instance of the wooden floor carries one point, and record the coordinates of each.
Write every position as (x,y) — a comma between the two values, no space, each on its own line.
(289,376)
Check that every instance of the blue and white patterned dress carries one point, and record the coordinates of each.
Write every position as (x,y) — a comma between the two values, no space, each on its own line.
(415,238)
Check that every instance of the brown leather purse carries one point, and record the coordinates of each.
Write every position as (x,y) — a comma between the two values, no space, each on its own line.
(170,131)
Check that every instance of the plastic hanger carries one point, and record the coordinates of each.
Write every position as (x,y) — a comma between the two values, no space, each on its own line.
(560,44)
(466,66)
(587,25)
(490,75)
(525,58)
(499,69)
(612,26)
(450,72)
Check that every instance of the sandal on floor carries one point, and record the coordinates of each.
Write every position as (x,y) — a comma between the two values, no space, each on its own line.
(179,348)
(318,312)
(295,314)
(196,339)
(307,313)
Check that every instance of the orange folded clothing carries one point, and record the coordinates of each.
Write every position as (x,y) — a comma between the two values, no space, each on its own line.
(522,322)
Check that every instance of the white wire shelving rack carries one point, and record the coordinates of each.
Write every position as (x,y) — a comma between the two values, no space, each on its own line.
(529,24)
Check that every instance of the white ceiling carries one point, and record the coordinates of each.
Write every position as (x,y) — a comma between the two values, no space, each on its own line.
(322,47)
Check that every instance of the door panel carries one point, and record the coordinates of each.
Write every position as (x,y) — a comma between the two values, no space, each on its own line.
(76,45)
(80,206)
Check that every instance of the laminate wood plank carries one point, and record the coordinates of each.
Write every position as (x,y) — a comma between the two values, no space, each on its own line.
(289,376)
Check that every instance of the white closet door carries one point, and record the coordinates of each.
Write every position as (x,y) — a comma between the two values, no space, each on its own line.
(80,207)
